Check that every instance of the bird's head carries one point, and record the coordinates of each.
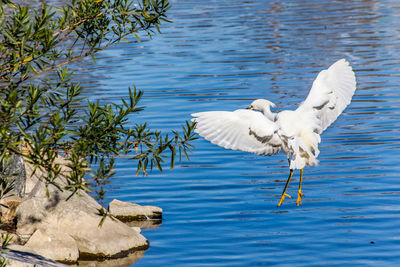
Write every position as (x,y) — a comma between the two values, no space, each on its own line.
(264,106)
(261,105)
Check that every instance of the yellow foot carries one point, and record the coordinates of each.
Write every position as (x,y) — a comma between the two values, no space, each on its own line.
(283,198)
(299,195)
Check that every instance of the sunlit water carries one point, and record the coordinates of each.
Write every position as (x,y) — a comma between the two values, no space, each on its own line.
(220,207)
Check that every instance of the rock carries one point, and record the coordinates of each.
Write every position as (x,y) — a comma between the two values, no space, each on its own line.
(54,245)
(20,257)
(152,224)
(8,209)
(78,217)
(34,183)
(19,248)
(126,211)
(137,229)
(122,262)
(15,170)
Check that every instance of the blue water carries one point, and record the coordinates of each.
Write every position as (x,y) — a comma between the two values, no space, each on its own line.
(220,208)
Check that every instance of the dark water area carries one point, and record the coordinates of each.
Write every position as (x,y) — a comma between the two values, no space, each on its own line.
(220,208)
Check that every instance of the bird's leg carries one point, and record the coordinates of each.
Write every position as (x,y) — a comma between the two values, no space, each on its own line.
(299,193)
(284,190)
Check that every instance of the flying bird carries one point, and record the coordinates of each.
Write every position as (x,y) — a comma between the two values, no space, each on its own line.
(297,132)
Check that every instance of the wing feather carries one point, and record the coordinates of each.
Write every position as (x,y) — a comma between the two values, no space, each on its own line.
(331,92)
(239,130)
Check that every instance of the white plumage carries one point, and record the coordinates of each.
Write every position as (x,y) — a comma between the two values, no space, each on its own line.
(242,129)
(296,132)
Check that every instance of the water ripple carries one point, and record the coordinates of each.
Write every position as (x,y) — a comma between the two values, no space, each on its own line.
(220,208)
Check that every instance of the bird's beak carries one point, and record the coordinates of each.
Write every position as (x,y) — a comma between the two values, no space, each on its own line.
(251,107)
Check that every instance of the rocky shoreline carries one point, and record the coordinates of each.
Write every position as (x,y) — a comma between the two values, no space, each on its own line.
(47,224)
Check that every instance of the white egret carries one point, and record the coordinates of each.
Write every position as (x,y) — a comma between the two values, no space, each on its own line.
(296,132)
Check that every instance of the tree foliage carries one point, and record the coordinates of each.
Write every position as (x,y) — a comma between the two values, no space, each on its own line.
(42,113)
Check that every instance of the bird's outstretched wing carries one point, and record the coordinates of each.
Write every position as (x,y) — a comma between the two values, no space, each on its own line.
(331,92)
(242,129)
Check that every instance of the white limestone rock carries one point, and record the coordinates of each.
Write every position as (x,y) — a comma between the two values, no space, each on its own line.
(78,217)
(126,211)
(21,256)
(54,245)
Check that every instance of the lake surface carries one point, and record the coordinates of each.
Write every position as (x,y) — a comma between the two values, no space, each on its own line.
(220,208)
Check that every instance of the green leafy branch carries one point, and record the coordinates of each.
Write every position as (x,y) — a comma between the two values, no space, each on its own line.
(42,114)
